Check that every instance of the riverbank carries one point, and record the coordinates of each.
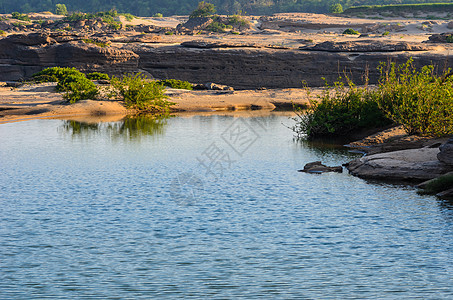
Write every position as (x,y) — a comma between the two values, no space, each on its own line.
(32,101)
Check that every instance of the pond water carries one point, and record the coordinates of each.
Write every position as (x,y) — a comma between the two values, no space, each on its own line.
(206,207)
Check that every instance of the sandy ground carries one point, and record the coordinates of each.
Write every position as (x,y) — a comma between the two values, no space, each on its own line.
(32,101)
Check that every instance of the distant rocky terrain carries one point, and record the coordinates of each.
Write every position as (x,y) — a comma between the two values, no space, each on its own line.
(273,52)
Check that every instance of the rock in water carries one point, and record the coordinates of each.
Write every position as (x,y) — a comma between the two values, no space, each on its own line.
(404,165)
(446,152)
(318,167)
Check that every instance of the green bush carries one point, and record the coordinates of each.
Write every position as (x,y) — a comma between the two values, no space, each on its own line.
(386,33)
(19,16)
(2,33)
(350,31)
(216,27)
(421,101)
(177,84)
(204,9)
(97,76)
(128,17)
(238,21)
(70,81)
(158,15)
(141,94)
(60,9)
(336,8)
(449,38)
(340,111)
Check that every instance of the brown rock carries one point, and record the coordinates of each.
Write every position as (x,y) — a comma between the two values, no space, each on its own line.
(446,153)
(366,46)
(318,167)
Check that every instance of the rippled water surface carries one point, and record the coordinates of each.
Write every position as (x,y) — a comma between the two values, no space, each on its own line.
(206,207)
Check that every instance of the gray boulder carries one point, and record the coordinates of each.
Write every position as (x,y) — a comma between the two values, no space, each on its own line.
(404,165)
(446,152)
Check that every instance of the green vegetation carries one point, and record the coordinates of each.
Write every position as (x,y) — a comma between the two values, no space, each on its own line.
(99,44)
(385,33)
(177,84)
(339,111)
(350,31)
(70,81)
(420,101)
(449,38)
(396,9)
(158,15)
(128,17)
(438,185)
(97,76)
(141,94)
(106,16)
(19,16)
(336,8)
(204,9)
(184,7)
(60,9)
(2,33)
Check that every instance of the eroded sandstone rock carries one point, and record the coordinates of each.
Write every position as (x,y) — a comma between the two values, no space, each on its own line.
(404,165)
(445,154)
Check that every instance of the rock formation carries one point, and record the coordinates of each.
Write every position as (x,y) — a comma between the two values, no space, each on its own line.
(403,165)
(445,154)
(318,167)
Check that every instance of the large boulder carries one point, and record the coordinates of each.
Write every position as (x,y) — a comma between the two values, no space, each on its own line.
(404,165)
(446,152)
(31,39)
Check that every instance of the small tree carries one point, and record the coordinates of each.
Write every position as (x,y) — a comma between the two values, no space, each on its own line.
(204,9)
(60,9)
(336,8)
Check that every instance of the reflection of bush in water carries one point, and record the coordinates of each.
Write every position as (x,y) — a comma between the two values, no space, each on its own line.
(131,127)
(134,127)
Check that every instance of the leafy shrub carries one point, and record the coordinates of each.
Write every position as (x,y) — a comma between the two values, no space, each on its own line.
(421,101)
(77,87)
(97,76)
(238,21)
(158,15)
(60,9)
(2,33)
(204,9)
(386,33)
(177,84)
(449,38)
(71,81)
(340,111)
(216,27)
(350,31)
(19,16)
(336,8)
(141,94)
(128,16)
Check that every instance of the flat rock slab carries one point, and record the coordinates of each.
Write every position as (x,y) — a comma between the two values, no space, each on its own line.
(404,165)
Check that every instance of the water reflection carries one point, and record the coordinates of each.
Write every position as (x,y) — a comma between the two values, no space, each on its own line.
(129,128)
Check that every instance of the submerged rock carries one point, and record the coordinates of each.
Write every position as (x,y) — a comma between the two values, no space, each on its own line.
(318,167)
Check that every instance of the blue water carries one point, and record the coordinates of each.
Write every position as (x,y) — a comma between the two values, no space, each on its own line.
(206,207)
